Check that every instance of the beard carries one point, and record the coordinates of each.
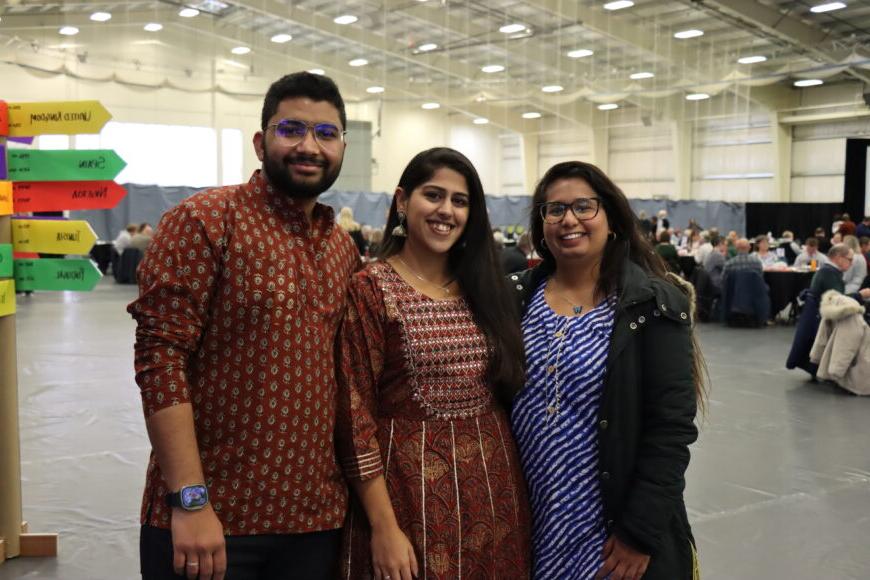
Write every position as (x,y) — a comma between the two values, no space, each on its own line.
(281,179)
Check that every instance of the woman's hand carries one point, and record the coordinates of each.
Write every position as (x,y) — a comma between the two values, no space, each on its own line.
(621,561)
(392,554)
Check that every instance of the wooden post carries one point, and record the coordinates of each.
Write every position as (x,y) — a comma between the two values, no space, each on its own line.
(10,451)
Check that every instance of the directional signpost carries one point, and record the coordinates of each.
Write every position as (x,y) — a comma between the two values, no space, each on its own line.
(53,236)
(48,274)
(56,118)
(66,195)
(95,165)
(43,181)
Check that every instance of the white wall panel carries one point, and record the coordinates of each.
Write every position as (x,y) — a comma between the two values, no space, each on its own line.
(510,166)
(734,160)
(818,157)
(563,146)
(817,189)
(739,190)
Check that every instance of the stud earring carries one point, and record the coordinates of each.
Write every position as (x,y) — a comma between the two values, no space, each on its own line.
(399,231)
(612,235)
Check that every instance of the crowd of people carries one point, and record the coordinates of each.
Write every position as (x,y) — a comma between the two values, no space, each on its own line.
(342,401)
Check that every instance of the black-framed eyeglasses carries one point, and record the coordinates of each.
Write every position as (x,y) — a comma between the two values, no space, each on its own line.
(584,208)
(292,132)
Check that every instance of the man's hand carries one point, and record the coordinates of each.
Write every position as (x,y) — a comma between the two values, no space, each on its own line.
(622,561)
(198,545)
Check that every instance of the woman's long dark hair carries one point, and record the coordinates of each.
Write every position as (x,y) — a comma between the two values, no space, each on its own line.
(474,262)
(627,244)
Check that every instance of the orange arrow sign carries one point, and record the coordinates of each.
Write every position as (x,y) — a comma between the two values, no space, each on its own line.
(65,195)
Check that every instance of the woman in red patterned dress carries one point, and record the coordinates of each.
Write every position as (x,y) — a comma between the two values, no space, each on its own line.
(429,348)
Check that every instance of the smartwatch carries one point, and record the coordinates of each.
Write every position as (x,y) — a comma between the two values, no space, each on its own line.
(190,498)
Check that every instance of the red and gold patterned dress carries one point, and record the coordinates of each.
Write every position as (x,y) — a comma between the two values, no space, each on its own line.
(414,406)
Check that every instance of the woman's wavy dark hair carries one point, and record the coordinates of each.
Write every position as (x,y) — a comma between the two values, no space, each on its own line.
(628,244)
(474,262)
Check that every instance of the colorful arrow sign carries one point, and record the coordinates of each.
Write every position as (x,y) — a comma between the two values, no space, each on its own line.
(56,118)
(63,195)
(48,274)
(93,165)
(5,260)
(3,161)
(53,236)
(7,297)
(4,118)
(5,197)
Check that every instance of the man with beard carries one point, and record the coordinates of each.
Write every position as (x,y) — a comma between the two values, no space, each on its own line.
(241,291)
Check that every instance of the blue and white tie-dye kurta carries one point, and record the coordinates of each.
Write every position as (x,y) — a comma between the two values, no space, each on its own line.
(560,451)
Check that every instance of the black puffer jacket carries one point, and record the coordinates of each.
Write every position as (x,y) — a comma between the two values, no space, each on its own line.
(646,421)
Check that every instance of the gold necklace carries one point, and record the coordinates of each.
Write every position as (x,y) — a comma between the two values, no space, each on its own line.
(445,288)
(555,405)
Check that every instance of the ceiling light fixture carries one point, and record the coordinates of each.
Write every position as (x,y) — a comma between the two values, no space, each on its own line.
(375,90)
(751,59)
(240,50)
(345,19)
(188,12)
(492,68)
(430,106)
(512,28)
(358,62)
(68,31)
(101,16)
(684,34)
(427,47)
(153,27)
(608,107)
(697,97)
(480,121)
(809,83)
(827,7)
(532,115)
(580,53)
(553,88)
(281,38)
(641,75)
(618,5)
(317,71)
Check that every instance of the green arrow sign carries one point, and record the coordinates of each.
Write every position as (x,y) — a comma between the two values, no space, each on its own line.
(46,274)
(5,260)
(34,165)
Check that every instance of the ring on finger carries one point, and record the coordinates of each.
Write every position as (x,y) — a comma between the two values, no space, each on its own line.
(192,564)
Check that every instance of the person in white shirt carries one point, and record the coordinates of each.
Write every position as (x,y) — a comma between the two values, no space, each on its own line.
(124,238)
(854,276)
(768,258)
(811,252)
(705,248)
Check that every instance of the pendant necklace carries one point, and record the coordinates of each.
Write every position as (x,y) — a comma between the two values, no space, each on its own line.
(576,308)
(445,288)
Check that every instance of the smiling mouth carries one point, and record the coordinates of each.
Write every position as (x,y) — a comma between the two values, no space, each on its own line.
(441,227)
(573,236)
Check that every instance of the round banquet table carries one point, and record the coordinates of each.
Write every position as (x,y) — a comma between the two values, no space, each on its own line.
(785,285)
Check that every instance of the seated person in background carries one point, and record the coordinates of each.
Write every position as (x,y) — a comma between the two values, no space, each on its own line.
(714,263)
(862,230)
(515,258)
(810,252)
(788,238)
(123,239)
(864,242)
(768,258)
(847,226)
(668,252)
(347,223)
(731,240)
(854,276)
(743,260)
(375,240)
(705,248)
(142,238)
(836,239)
(830,276)
(824,242)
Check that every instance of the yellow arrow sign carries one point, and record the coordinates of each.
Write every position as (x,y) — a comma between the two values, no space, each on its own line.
(56,118)
(53,236)
(7,297)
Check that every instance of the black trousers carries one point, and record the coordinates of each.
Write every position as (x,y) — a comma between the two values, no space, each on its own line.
(312,556)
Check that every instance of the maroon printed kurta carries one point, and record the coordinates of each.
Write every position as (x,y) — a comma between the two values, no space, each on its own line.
(415,407)
(239,303)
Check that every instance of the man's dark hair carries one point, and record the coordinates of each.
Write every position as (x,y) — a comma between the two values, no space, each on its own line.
(811,241)
(302,84)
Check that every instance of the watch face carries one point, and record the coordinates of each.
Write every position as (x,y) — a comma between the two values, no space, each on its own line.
(194,497)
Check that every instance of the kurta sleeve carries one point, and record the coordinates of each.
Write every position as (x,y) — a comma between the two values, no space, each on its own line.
(360,352)
(176,280)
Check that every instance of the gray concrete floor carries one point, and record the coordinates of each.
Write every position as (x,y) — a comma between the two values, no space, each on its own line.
(778,487)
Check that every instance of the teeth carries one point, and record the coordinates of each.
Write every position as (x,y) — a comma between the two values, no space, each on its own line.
(573,236)
(443,228)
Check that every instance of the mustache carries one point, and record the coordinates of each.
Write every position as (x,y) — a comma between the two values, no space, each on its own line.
(307,159)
